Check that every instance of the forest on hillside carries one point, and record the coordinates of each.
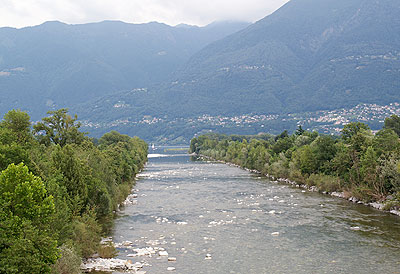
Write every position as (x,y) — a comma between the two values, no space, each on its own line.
(359,163)
(59,190)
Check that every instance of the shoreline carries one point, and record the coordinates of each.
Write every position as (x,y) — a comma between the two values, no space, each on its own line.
(341,195)
(96,263)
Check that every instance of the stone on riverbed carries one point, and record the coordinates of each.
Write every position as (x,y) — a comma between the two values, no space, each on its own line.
(181,223)
(353,199)
(131,199)
(100,264)
(127,243)
(396,212)
(377,205)
(338,194)
(147,251)
(172,259)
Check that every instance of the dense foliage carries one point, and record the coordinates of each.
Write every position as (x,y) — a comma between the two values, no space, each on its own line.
(58,190)
(360,163)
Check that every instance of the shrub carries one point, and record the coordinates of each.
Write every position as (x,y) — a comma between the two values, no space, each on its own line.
(69,262)
(107,251)
(86,234)
(324,182)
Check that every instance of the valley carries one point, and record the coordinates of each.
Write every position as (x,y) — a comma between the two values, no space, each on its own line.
(165,130)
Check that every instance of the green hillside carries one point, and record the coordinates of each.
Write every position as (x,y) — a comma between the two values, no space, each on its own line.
(58,65)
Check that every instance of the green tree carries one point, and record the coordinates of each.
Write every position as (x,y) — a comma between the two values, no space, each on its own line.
(282,145)
(26,244)
(324,150)
(299,131)
(59,128)
(342,162)
(12,153)
(18,122)
(15,139)
(73,175)
(113,137)
(369,162)
(352,129)
(305,160)
(386,141)
(393,122)
(389,173)
(283,135)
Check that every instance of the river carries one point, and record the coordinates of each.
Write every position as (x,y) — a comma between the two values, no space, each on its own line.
(214,218)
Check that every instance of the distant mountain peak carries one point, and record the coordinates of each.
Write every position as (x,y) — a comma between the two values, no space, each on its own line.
(226,22)
(186,26)
(53,23)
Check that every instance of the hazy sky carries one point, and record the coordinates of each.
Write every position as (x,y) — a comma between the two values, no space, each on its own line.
(20,13)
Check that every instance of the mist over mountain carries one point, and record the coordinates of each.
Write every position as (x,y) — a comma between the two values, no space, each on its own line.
(57,65)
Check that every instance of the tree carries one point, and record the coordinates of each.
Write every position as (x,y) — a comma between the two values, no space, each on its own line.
(305,160)
(386,141)
(74,175)
(393,122)
(113,137)
(300,131)
(12,153)
(324,150)
(18,122)
(352,129)
(342,162)
(59,128)
(389,173)
(369,162)
(15,138)
(283,135)
(26,244)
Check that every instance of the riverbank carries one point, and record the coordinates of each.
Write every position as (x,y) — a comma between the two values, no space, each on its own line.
(108,262)
(343,194)
(59,190)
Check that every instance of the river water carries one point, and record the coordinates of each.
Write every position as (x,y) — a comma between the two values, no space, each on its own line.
(214,218)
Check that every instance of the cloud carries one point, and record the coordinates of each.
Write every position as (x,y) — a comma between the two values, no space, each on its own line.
(19,13)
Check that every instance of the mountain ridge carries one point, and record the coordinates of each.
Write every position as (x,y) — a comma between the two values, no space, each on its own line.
(68,64)
(309,55)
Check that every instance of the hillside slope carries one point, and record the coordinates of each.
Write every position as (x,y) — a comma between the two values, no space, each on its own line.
(309,55)
(58,65)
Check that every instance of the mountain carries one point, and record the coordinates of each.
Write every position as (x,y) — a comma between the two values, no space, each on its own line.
(309,55)
(57,65)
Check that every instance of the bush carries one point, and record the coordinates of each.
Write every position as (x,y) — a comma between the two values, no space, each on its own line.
(324,182)
(107,251)
(69,262)
(86,234)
